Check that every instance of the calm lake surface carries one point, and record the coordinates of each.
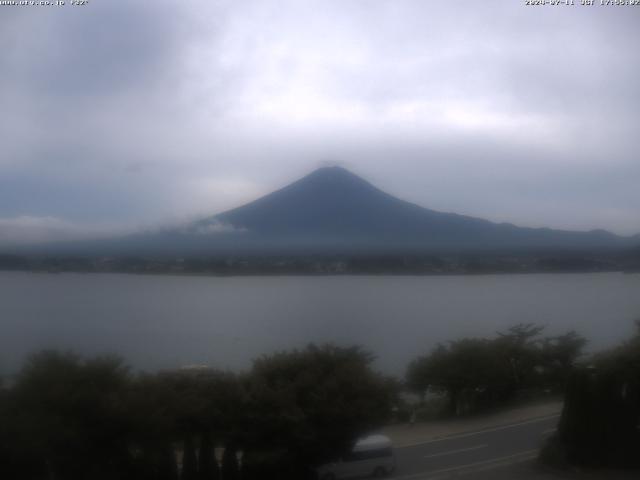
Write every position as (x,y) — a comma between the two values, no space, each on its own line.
(169,321)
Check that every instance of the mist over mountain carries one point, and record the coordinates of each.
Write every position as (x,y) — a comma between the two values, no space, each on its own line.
(333,207)
(332,210)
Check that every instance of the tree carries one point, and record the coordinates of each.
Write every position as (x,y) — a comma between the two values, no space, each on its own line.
(71,415)
(207,466)
(309,406)
(465,370)
(230,467)
(559,356)
(479,372)
(599,423)
(188,408)
(73,418)
(16,456)
(519,347)
(153,406)
(189,460)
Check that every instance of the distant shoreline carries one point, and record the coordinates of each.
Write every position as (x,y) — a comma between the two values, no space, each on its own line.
(334,265)
(311,274)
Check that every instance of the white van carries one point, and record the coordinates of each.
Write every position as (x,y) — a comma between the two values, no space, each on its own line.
(371,456)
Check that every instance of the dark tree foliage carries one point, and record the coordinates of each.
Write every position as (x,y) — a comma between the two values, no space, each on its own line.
(162,465)
(519,347)
(189,460)
(478,373)
(230,467)
(185,411)
(207,466)
(558,357)
(461,369)
(70,418)
(16,460)
(309,406)
(601,417)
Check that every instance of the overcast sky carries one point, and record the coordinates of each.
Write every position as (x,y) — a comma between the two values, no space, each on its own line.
(122,115)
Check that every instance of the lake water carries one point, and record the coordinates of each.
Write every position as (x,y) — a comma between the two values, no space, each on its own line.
(168,321)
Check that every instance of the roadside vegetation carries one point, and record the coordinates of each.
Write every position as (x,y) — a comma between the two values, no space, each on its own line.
(475,374)
(65,417)
(69,418)
(600,423)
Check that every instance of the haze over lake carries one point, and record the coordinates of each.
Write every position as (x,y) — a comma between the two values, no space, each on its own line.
(169,321)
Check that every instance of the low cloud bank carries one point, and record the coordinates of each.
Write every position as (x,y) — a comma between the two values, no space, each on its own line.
(217,228)
(30,230)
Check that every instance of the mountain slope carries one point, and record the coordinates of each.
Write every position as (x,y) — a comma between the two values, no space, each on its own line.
(332,210)
(334,207)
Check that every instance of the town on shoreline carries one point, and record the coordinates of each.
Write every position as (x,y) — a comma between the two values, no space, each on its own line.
(334,264)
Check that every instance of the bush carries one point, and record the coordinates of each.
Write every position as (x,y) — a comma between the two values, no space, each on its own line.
(74,418)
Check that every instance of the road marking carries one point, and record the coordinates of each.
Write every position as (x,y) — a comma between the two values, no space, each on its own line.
(460,450)
(486,465)
(551,430)
(483,465)
(479,432)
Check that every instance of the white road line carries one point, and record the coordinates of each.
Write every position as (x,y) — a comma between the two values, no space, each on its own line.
(479,432)
(551,430)
(483,465)
(460,450)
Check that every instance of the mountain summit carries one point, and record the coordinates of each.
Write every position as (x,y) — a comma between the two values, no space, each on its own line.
(333,208)
(330,201)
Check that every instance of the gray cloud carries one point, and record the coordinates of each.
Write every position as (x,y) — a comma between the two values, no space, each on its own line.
(126,114)
(30,230)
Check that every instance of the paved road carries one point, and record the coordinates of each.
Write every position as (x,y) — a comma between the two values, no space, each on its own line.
(475,451)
